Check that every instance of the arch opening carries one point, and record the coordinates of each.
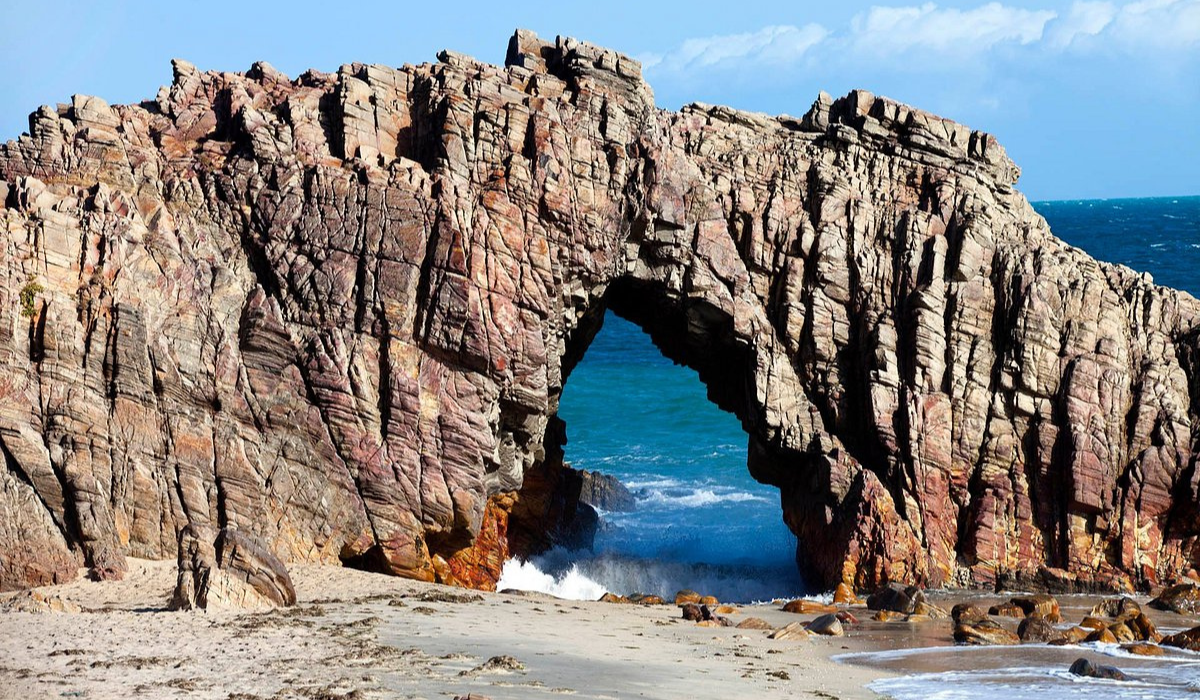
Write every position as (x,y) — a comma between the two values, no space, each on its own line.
(652,399)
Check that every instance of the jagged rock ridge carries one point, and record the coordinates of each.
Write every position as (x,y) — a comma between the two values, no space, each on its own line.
(336,313)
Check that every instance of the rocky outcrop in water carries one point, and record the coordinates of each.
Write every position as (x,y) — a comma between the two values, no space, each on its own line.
(336,312)
(605,492)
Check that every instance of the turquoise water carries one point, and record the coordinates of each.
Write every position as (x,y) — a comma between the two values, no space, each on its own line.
(702,522)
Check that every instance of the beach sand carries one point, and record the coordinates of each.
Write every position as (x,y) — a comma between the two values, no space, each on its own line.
(361,636)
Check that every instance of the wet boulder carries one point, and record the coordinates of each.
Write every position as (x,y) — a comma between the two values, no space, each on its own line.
(808,607)
(987,632)
(1085,668)
(1041,603)
(1143,628)
(844,595)
(1188,639)
(1182,598)
(967,614)
(1036,628)
(692,612)
(896,597)
(1104,636)
(1143,649)
(605,492)
(929,610)
(1123,606)
(1006,610)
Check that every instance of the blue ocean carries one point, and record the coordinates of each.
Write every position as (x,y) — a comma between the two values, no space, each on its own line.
(702,522)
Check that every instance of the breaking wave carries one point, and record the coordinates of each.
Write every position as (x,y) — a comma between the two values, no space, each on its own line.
(569,575)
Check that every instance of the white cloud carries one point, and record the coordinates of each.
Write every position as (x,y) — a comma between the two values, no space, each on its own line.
(1158,24)
(1082,21)
(891,31)
(782,44)
(935,39)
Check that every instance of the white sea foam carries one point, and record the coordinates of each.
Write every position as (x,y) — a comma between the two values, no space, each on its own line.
(1007,674)
(697,498)
(582,576)
(526,576)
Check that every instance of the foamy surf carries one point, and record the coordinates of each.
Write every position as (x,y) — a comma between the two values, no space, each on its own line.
(1027,672)
(571,585)
(583,576)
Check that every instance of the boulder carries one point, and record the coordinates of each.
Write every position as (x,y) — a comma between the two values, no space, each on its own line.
(605,492)
(790,631)
(1143,649)
(709,600)
(844,595)
(1182,598)
(1104,636)
(692,612)
(754,623)
(687,596)
(1006,610)
(1041,603)
(1143,628)
(968,614)
(614,598)
(1093,623)
(1121,632)
(987,632)
(1083,667)
(1116,607)
(929,610)
(828,625)
(232,570)
(896,597)
(808,607)
(888,616)
(32,601)
(1037,628)
(1073,635)
(1188,639)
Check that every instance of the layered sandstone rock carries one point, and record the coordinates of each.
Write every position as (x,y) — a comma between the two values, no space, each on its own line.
(336,313)
(229,569)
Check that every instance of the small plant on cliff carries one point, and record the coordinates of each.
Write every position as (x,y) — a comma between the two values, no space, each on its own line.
(29,298)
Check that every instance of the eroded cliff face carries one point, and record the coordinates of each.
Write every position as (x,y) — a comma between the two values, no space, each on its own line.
(337,312)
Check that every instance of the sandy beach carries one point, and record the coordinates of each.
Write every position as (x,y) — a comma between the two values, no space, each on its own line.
(360,636)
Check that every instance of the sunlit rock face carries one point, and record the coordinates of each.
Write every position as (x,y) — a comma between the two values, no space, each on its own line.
(336,313)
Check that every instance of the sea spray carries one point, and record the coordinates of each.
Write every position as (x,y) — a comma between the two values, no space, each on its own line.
(583,576)
(571,585)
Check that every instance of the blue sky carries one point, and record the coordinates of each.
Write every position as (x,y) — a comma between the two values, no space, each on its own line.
(1092,99)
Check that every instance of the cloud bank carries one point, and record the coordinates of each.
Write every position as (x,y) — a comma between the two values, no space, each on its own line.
(932,33)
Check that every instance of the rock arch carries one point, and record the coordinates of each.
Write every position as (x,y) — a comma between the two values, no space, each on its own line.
(338,311)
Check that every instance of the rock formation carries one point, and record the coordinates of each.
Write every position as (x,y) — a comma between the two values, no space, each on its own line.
(336,312)
(230,570)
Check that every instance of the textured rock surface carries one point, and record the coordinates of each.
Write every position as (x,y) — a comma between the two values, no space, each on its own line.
(336,312)
(232,571)
(605,492)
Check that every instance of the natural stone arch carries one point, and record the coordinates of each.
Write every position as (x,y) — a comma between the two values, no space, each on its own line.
(337,312)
